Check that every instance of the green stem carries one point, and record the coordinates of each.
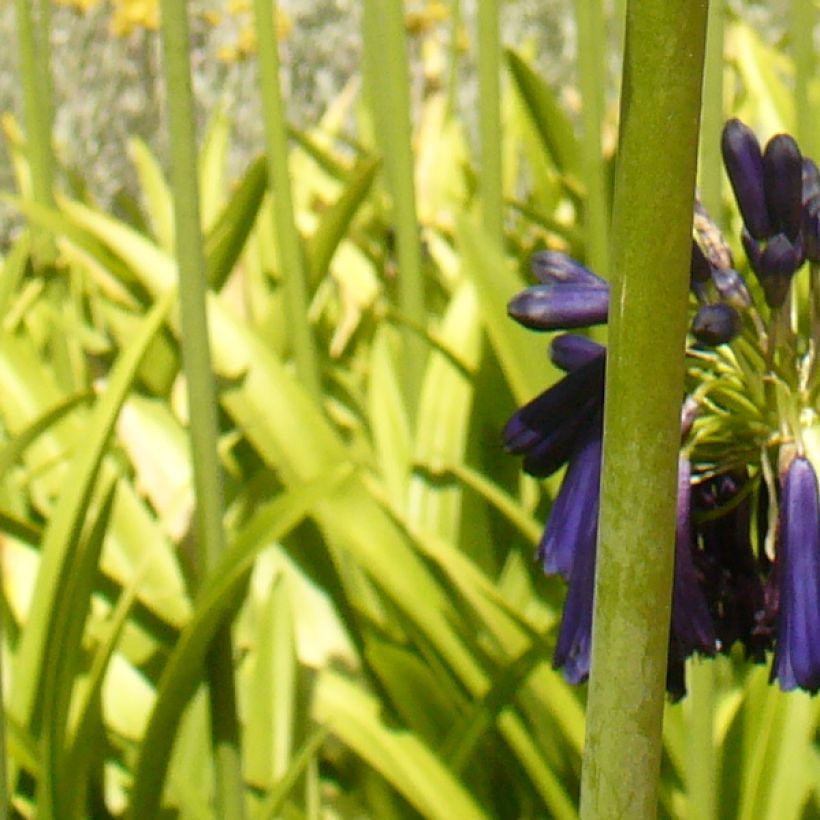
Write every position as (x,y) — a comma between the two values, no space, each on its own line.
(388,86)
(701,766)
(651,234)
(36,86)
(592,80)
(202,399)
(291,256)
(712,118)
(489,112)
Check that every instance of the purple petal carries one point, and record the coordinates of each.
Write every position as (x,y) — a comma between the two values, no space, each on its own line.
(744,165)
(783,180)
(570,352)
(572,651)
(556,307)
(692,624)
(556,268)
(574,516)
(553,408)
(728,562)
(797,654)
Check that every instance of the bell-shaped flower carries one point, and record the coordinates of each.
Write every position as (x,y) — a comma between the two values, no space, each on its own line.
(797,653)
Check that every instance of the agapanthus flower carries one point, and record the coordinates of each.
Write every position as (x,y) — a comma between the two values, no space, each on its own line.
(747,544)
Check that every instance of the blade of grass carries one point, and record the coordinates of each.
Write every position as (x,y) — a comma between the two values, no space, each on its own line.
(63,664)
(489,120)
(202,401)
(289,243)
(400,757)
(387,82)
(61,536)
(590,18)
(216,601)
(652,225)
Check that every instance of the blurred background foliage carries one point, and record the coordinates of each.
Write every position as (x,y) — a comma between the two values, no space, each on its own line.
(392,633)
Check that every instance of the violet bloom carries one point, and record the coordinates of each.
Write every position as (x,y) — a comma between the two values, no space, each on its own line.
(569,547)
(797,655)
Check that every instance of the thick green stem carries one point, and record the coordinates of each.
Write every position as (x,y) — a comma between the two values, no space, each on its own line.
(202,400)
(291,257)
(651,235)
(592,80)
(489,110)
(388,84)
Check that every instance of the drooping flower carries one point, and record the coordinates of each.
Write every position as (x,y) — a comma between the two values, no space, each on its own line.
(797,656)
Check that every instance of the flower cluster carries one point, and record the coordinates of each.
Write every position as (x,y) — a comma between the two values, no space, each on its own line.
(747,546)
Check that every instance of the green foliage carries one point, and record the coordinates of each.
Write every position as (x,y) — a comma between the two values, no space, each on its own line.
(392,634)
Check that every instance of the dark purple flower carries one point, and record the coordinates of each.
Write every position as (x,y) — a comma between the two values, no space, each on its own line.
(692,624)
(569,352)
(573,519)
(774,264)
(716,324)
(797,654)
(744,165)
(555,414)
(727,562)
(810,228)
(572,554)
(556,268)
(560,306)
(783,180)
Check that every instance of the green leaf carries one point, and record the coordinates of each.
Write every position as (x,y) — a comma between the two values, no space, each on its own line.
(61,535)
(552,124)
(399,756)
(229,233)
(216,601)
(336,220)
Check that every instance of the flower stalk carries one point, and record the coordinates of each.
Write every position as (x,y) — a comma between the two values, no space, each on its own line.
(202,400)
(654,189)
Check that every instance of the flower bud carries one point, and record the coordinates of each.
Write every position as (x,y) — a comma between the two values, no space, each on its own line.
(783,181)
(811,179)
(744,165)
(810,232)
(716,324)
(556,307)
(570,352)
(554,268)
(732,287)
